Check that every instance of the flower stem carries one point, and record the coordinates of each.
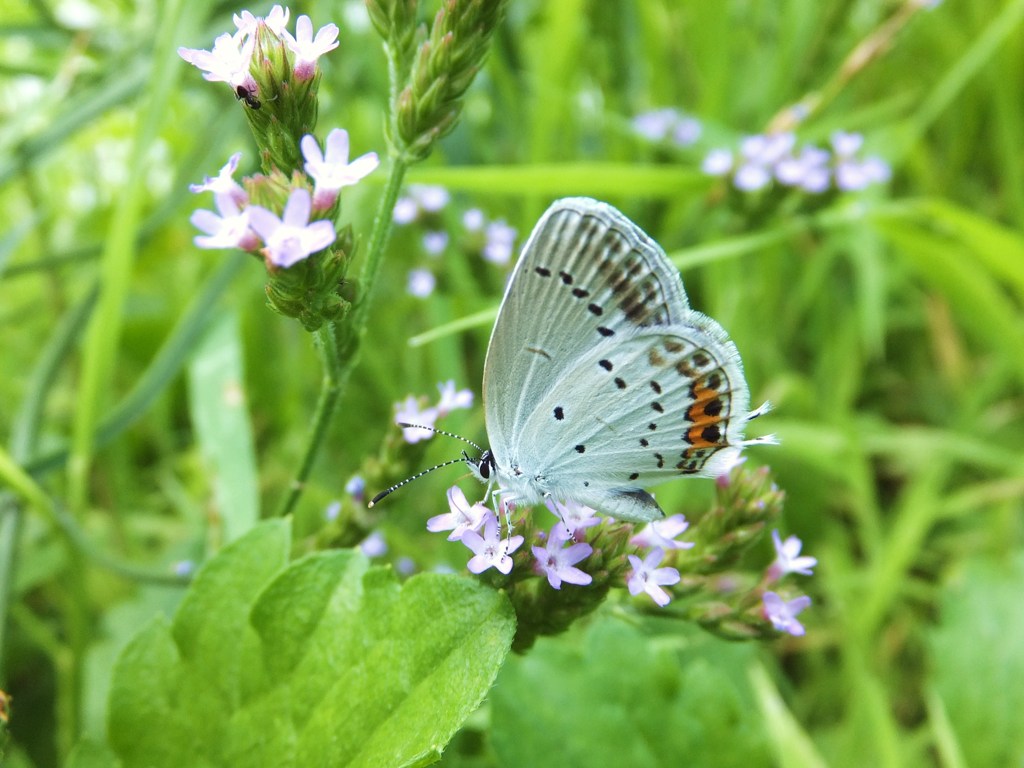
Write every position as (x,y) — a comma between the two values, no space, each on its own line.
(378,239)
(339,359)
(330,389)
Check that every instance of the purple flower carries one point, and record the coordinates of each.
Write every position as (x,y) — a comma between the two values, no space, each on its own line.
(409,412)
(463,516)
(452,399)
(760,153)
(430,197)
(421,283)
(293,237)
(846,144)
(374,545)
(808,170)
(184,568)
(853,175)
(574,516)
(228,61)
(473,220)
(434,243)
(406,211)
(663,533)
(490,550)
(686,131)
(331,170)
(557,561)
(356,488)
(660,124)
(783,614)
(646,577)
(308,49)
(788,559)
(224,183)
(230,229)
(718,162)
(332,511)
(501,239)
(655,124)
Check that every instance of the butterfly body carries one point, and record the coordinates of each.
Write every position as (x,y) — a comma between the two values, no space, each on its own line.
(600,381)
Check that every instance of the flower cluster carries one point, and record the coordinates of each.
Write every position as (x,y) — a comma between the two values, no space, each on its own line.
(411,412)
(292,237)
(288,213)
(559,550)
(667,124)
(780,612)
(424,206)
(274,73)
(762,159)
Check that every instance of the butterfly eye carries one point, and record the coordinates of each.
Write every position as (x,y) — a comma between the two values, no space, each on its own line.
(485,464)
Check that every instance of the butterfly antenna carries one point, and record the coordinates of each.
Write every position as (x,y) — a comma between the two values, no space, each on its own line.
(418,475)
(440,432)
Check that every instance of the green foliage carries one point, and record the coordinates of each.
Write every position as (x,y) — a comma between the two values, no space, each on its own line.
(978,667)
(885,326)
(611,695)
(324,661)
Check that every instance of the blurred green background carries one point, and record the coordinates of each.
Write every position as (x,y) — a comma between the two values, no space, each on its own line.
(884,325)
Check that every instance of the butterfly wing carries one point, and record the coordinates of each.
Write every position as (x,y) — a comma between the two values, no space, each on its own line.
(600,381)
(585,271)
(656,404)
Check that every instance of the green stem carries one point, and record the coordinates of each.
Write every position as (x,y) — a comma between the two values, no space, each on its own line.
(330,389)
(378,240)
(339,360)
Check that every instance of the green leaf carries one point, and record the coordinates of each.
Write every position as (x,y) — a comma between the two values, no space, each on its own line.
(979,662)
(222,424)
(619,697)
(324,662)
(89,754)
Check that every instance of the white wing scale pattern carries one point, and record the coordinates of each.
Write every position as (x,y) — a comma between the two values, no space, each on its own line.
(600,380)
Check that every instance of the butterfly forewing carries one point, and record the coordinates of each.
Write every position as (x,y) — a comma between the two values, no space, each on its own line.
(586,274)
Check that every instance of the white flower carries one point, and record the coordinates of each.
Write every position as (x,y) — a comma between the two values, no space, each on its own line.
(224,183)
(409,412)
(293,237)
(308,49)
(421,283)
(490,550)
(650,579)
(331,170)
(783,614)
(228,61)
(452,399)
(461,518)
(228,230)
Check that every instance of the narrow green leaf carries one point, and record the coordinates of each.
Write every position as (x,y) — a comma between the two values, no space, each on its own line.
(223,428)
(977,665)
(89,754)
(555,179)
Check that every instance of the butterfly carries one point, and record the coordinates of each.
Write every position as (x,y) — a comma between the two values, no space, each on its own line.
(600,381)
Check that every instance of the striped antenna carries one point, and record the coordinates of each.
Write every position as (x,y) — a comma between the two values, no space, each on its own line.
(463,459)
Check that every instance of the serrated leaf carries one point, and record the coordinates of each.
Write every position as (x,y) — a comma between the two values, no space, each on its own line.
(324,662)
(613,696)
